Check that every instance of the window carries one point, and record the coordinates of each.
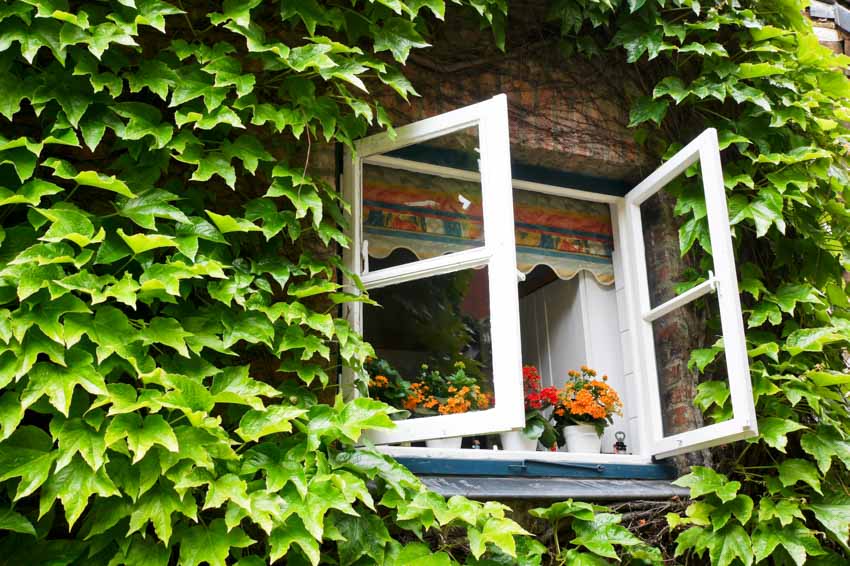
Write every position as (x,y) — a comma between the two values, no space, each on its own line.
(477,273)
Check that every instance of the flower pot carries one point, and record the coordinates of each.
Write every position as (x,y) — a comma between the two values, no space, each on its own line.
(450,442)
(516,440)
(582,438)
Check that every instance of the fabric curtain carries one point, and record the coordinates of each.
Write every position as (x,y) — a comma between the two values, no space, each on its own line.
(431,216)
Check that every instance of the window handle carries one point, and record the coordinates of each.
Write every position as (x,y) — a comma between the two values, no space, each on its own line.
(520,276)
(523,468)
(364,254)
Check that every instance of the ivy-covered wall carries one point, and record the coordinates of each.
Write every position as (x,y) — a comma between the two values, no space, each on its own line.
(168,329)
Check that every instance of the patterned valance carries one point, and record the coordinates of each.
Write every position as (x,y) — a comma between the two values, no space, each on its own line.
(432,216)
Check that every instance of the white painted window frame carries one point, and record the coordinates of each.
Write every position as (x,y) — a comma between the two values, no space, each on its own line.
(629,249)
(497,254)
(722,281)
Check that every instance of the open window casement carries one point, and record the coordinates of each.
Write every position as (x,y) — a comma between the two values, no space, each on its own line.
(659,311)
(417,227)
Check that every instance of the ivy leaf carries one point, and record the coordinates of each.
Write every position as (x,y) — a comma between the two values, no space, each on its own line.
(256,424)
(157,506)
(166,331)
(27,455)
(154,75)
(796,539)
(69,223)
(141,243)
(145,208)
(774,431)
(141,434)
(788,296)
(210,544)
(794,470)
(226,223)
(228,487)
(673,87)
(729,544)
(13,521)
(362,414)
(765,211)
(233,385)
(144,120)
(785,510)
(58,382)
(293,532)
(398,36)
(30,193)
(741,507)
(833,513)
(73,485)
(824,443)
(812,339)
(11,414)
(702,481)
(65,170)
(646,109)
(75,436)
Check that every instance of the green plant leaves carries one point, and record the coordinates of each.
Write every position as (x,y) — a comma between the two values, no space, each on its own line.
(702,481)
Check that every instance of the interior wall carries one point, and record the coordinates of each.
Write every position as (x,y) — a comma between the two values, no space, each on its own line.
(567,324)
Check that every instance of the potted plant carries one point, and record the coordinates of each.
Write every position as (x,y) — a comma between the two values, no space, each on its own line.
(537,425)
(431,393)
(585,406)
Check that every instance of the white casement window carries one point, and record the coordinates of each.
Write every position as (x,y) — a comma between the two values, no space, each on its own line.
(477,270)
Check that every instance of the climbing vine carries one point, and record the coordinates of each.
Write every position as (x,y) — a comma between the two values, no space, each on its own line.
(168,287)
(168,282)
(755,71)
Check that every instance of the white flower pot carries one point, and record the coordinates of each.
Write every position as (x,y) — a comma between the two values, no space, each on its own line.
(450,442)
(582,438)
(516,440)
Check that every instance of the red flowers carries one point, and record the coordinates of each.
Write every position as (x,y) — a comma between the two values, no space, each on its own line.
(536,398)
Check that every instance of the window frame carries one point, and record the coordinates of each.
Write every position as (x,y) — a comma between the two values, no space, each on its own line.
(630,266)
(723,281)
(497,254)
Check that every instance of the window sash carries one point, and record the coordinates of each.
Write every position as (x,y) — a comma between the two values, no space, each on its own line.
(723,282)
(497,254)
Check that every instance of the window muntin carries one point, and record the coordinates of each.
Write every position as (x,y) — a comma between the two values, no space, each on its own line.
(426,214)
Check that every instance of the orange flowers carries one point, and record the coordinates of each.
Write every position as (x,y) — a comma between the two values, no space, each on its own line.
(379,382)
(460,401)
(585,399)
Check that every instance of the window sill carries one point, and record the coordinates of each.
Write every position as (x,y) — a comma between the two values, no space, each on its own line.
(549,488)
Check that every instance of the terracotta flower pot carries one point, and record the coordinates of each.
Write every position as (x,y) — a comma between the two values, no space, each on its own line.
(582,438)
(516,440)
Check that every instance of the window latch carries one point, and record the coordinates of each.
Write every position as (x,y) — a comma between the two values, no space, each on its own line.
(712,281)
(520,276)
(523,468)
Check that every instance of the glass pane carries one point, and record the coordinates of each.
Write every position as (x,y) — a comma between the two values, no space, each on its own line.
(686,340)
(432,344)
(567,235)
(425,214)
(668,230)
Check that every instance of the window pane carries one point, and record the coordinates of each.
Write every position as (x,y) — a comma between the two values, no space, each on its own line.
(668,229)
(690,399)
(423,213)
(432,344)
(567,235)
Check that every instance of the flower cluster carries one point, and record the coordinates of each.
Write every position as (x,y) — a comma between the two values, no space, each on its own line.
(586,399)
(431,393)
(535,397)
